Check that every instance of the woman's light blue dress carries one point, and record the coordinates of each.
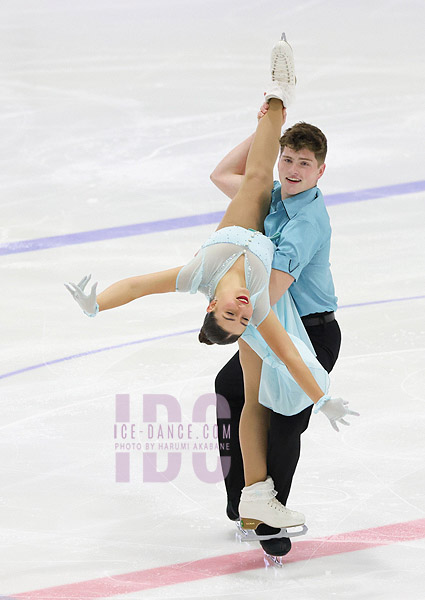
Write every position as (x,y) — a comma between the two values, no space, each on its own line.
(278,389)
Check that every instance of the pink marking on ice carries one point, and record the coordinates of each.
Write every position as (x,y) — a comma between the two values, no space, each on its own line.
(228,564)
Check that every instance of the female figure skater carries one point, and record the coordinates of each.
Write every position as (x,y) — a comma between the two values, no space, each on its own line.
(232,269)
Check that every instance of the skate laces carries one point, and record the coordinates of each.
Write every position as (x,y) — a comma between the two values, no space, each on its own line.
(282,67)
(283,73)
(274,503)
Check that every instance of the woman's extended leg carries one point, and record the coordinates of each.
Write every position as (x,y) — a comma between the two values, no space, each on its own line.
(258,503)
(254,423)
(251,204)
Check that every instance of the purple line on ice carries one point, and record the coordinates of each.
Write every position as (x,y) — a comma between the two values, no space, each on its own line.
(90,352)
(123,231)
(382,301)
(385,191)
(168,335)
(112,233)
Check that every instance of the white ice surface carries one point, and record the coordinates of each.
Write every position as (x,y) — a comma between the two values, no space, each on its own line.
(115,112)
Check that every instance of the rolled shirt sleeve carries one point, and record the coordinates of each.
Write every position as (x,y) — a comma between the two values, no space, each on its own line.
(299,242)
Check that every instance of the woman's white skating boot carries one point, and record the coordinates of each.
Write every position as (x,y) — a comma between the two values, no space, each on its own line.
(259,505)
(283,81)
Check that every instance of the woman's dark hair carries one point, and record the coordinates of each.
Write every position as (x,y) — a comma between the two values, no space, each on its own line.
(212,333)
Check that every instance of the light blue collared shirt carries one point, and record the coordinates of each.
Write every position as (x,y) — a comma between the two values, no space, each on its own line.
(300,229)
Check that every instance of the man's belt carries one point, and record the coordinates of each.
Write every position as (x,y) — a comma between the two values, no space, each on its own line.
(318,319)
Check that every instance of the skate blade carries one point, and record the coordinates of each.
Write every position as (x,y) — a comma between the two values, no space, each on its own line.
(273,561)
(249,535)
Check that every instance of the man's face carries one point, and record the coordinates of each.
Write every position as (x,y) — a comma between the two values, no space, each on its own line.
(298,171)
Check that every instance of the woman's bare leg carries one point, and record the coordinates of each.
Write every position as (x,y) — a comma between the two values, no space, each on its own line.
(254,423)
(251,204)
(258,505)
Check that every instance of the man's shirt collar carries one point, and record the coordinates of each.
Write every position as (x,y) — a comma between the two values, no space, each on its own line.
(293,204)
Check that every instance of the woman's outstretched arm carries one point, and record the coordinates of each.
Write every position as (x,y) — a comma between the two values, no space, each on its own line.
(129,289)
(274,334)
(123,291)
(276,337)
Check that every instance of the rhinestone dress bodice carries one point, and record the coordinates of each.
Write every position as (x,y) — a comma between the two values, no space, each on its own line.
(219,253)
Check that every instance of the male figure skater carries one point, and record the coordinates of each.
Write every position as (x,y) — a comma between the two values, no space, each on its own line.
(299,220)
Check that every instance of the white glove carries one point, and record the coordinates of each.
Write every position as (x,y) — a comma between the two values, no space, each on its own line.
(335,409)
(87,302)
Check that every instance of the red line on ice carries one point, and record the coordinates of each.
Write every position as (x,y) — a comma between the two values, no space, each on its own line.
(227,564)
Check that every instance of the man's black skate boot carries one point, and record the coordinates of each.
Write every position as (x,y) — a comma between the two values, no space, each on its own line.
(276,546)
(232,510)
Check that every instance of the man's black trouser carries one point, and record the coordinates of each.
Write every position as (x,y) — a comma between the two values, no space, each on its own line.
(285,432)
